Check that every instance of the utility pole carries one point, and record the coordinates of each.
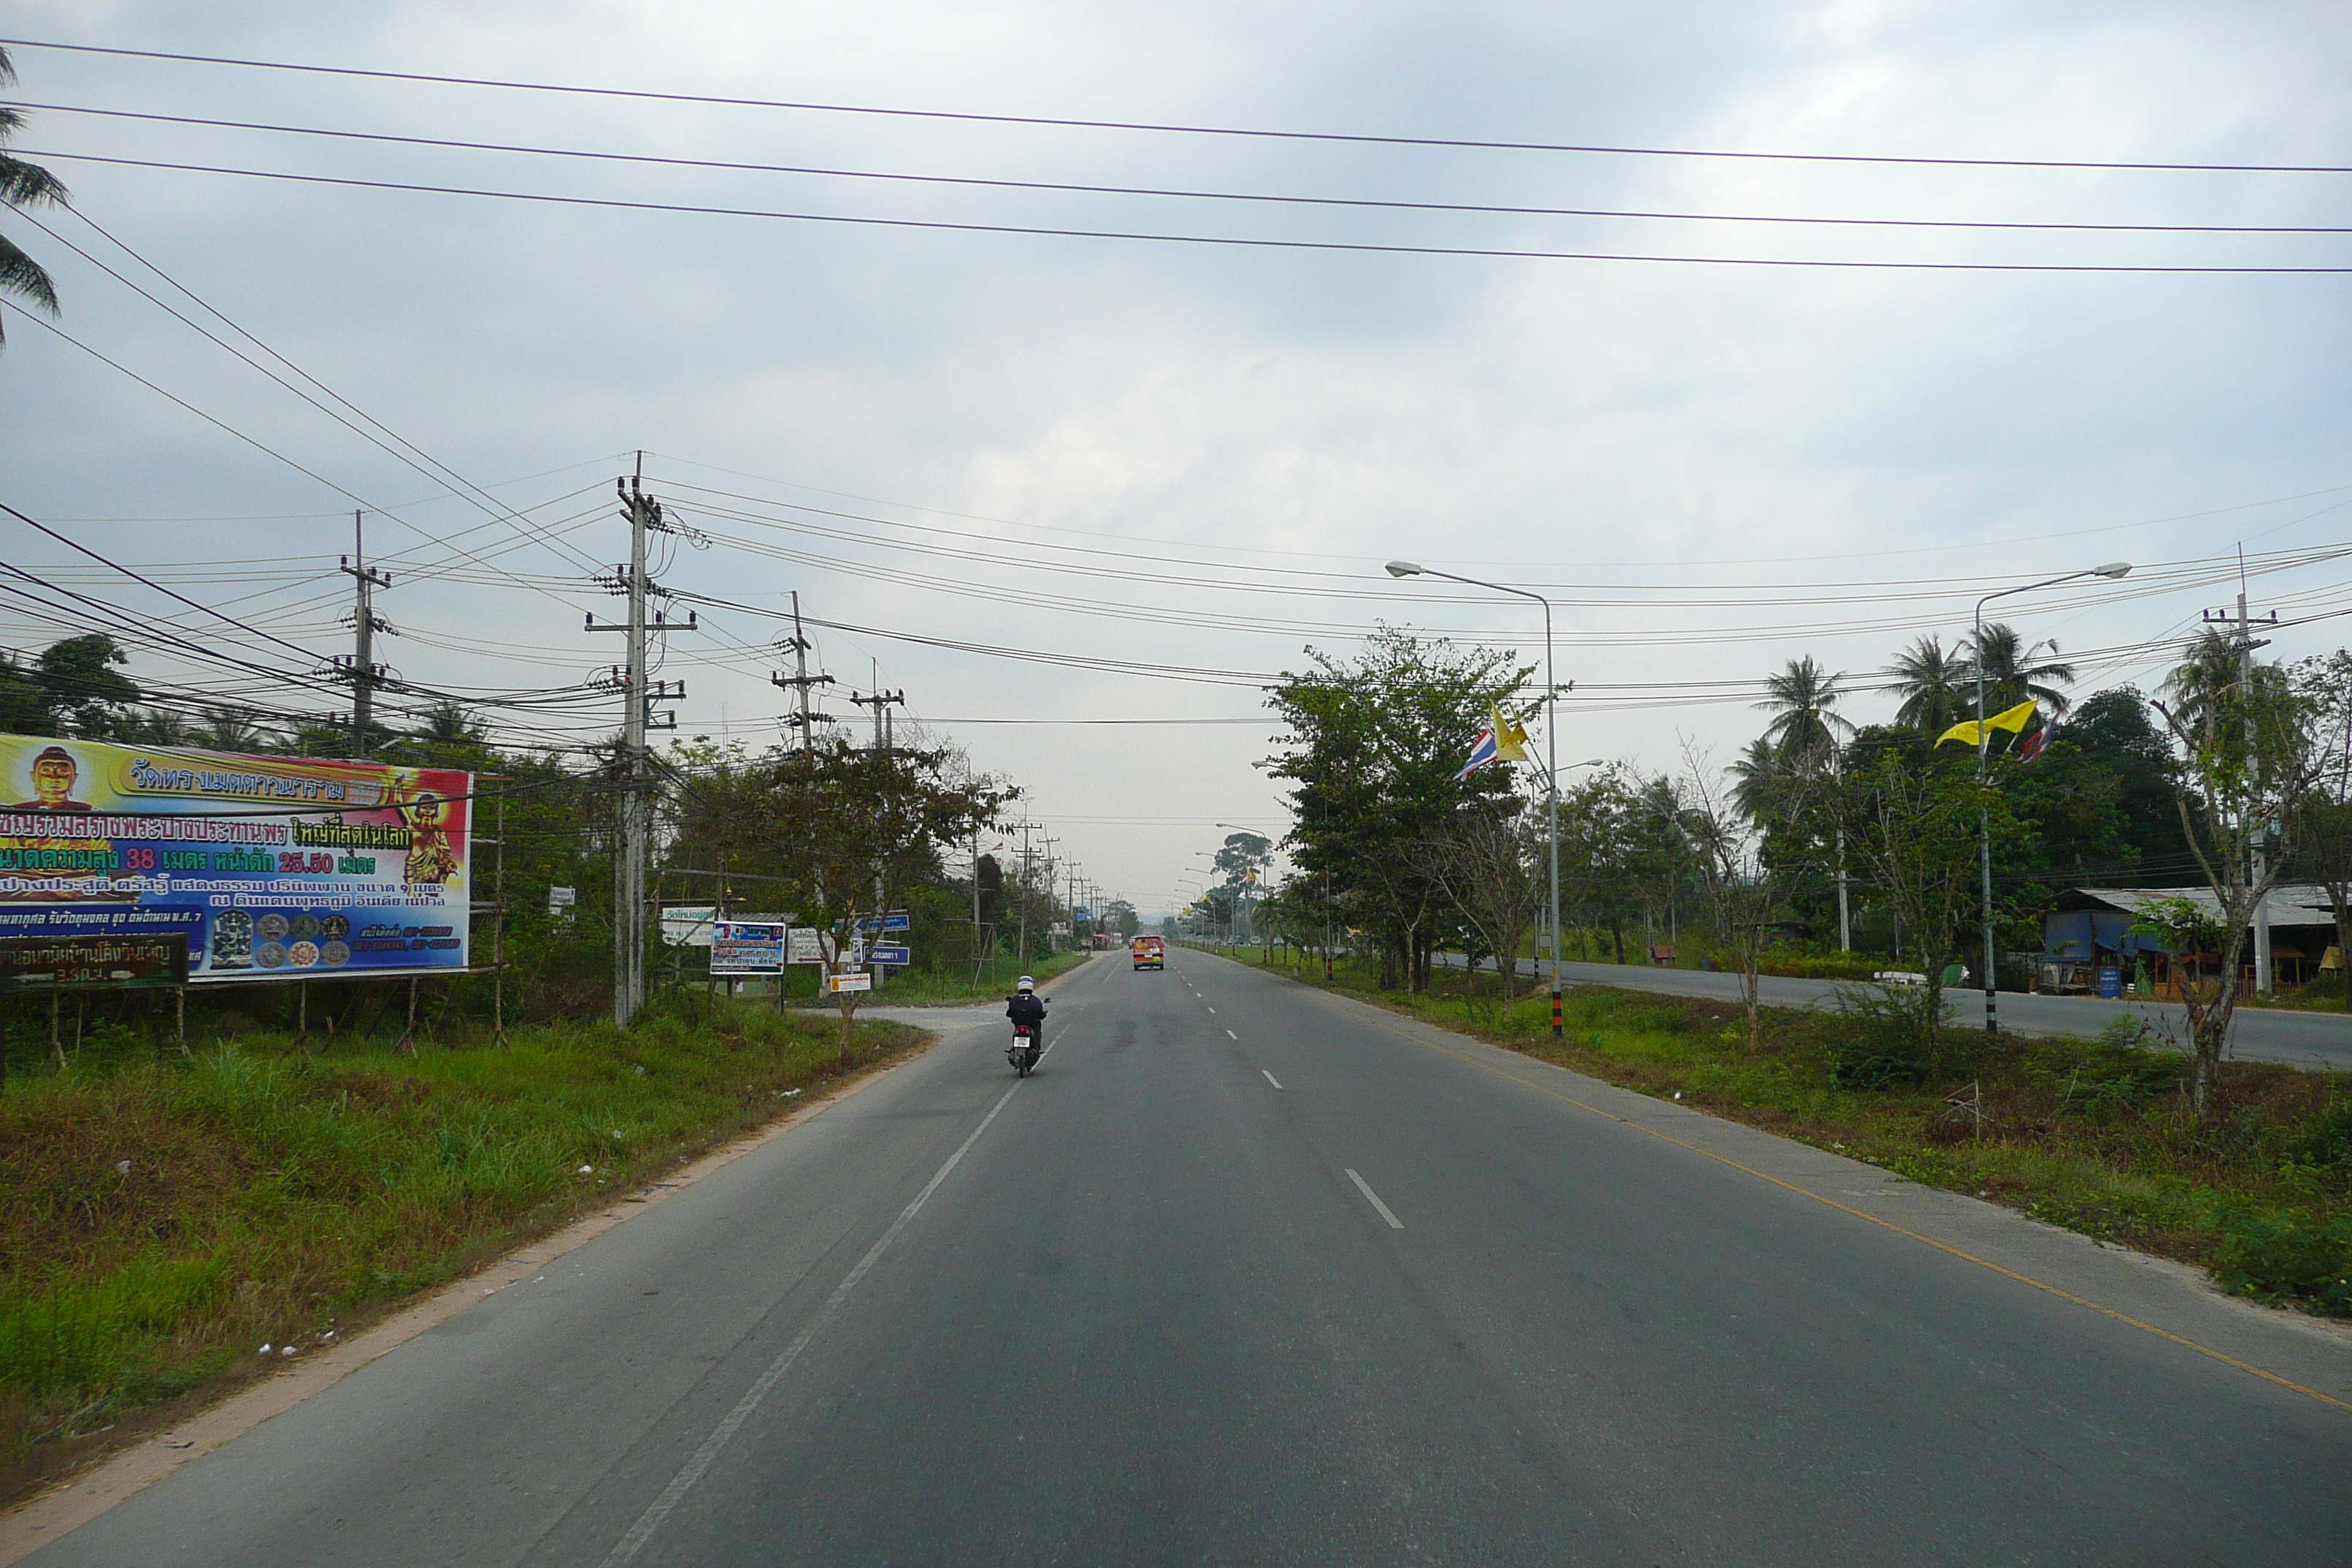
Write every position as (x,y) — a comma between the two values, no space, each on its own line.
(2265,978)
(800,681)
(361,670)
(637,700)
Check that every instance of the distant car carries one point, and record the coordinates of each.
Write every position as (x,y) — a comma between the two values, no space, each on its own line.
(1149,952)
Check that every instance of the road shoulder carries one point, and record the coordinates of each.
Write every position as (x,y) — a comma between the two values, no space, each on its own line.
(2145,1294)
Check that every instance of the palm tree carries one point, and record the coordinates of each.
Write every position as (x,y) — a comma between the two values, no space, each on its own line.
(447,723)
(1800,699)
(2011,676)
(228,729)
(23,185)
(1762,773)
(2209,670)
(1933,684)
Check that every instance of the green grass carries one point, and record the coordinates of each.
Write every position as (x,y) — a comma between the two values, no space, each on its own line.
(2094,1135)
(159,1221)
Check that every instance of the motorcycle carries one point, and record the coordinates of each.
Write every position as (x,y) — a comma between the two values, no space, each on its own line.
(1025,1050)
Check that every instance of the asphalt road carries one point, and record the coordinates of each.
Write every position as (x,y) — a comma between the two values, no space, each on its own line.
(2257,1034)
(1246,1274)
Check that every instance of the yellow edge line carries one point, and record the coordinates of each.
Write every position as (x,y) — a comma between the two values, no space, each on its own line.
(2223,1356)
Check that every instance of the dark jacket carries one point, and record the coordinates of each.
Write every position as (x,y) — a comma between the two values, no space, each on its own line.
(1024,1008)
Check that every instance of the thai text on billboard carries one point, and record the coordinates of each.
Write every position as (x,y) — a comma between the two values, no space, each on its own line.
(272,867)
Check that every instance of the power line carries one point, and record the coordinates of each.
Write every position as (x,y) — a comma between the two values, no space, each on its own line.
(1245,242)
(1176,194)
(1186,129)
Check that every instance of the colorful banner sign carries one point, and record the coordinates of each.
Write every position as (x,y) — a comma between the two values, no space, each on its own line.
(747,947)
(271,868)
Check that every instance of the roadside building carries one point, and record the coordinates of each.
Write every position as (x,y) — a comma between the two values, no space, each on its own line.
(2088,931)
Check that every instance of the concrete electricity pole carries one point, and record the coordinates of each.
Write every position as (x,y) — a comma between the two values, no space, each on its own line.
(363,670)
(2265,978)
(800,681)
(637,700)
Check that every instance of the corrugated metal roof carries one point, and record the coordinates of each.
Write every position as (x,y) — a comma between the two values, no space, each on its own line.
(2288,904)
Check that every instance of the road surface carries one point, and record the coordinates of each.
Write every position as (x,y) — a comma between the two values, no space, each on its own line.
(2257,1034)
(1248,1274)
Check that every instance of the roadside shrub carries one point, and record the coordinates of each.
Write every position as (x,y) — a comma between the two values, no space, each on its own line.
(2288,1257)
(1896,1036)
(2328,1143)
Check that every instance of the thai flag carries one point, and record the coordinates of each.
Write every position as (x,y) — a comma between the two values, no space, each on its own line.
(1484,751)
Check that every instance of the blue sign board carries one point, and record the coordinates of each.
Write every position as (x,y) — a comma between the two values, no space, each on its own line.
(2111,981)
(887,922)
(890,955)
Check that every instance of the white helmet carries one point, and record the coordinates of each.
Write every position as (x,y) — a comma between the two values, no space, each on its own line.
(1028,984)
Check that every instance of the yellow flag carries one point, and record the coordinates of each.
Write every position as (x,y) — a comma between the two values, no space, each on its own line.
(2012,719)
(1510,737)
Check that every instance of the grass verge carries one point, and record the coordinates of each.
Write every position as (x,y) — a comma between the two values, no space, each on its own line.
(161,1220)
(2094,1135)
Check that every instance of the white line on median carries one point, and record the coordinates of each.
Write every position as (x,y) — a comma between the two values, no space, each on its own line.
(1271,1078)
(1373,1198)
(629,1546)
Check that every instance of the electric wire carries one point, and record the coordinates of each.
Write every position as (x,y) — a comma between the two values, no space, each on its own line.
(1180,129)
(1244,242)
(1259,197)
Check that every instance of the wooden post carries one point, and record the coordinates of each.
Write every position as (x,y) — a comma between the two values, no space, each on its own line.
(57,1046)
(302,1014)
(408,1035)
(180,1008)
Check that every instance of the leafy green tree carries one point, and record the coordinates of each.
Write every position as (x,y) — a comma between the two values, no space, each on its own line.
(23,185)
(1803,700)
(2113,731)
(2248,758)
(1374,750)
(2322,835)
(79,680)
(1913,821)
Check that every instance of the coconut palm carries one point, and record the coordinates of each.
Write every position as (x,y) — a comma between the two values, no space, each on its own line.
(1933,683)
(229,729)
(447,723)
(2010,674)
(1801,700)
(23,185)
(1762,773)
(2210,669)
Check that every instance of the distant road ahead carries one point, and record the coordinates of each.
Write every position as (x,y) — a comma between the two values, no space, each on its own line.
(2260,1034)
(1250,1274)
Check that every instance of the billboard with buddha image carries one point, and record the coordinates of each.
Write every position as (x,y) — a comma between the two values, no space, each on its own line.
(273,868)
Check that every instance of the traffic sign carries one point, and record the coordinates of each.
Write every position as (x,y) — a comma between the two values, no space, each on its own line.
(886,954)
(838,982)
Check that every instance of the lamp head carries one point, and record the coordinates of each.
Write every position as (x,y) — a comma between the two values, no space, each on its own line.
(1403,569)
(2112,569)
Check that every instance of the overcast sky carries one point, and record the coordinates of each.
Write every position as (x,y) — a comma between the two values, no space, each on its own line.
(1193,456)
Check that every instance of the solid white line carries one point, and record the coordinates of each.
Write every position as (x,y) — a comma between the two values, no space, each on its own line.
(1365,1187)
(629,1546)
(1271,1078)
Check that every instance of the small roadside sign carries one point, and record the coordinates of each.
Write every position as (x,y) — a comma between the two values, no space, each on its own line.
(839,983)
(884,953)
(94,962)
(894,920)
(559,902)
(805,945)
(687,925)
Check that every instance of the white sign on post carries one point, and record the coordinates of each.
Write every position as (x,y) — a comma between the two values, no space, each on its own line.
(559,902)
(839,983)
(687,925)
(806,945)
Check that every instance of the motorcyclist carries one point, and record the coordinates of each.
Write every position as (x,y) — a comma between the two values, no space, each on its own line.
(1024,1007)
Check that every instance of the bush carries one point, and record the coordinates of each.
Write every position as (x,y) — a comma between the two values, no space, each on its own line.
(1896,1036)
(2288,1258)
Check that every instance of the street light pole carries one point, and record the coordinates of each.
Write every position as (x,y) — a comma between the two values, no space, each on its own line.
(1551,745)
(1984,759)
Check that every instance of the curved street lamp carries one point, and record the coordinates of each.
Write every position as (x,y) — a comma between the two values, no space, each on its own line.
(1551,745)
(1984,754)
